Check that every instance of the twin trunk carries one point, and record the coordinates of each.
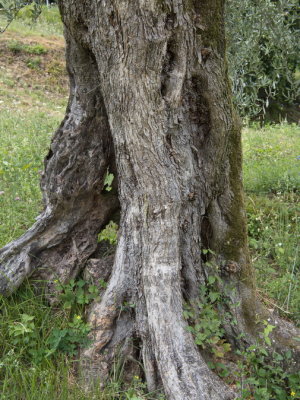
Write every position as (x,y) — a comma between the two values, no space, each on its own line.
(150,103)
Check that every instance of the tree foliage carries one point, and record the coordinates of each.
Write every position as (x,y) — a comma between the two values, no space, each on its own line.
(11,8)
(263,53)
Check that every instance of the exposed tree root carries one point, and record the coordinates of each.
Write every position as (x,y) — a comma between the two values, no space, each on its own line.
(75,205)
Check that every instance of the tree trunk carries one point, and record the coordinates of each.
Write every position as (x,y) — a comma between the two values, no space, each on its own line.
(150,101)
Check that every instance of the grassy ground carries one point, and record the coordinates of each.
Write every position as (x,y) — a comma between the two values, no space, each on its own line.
(31,370)
(272,184)
(33,94)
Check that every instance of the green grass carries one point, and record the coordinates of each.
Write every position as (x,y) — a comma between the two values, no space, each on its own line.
(270,159)
(17,47)
(25,137)
(272,183)
(33,97)
(27,374)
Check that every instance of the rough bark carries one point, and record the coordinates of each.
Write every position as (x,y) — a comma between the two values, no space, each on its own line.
(149,95)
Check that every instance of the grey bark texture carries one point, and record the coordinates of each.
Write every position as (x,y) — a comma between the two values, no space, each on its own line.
(150,100)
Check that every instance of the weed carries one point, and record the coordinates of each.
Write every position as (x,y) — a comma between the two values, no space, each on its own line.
(262,372)
(137,390)
(9,82)
(206,323)
(56,68)
(126,306)
(18,47)
(34,341)
(35,338)
(272,182)
(108,181)
(109,233)
(33,63)
(15,46)
(76,293)
(68,339)
(102,284)
(273,226)
(24,335)
(36,49)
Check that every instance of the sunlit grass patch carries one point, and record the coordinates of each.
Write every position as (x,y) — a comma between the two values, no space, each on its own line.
(272,183)
(33,95)
(272,159)
(25,138)
(28,370)
(274,238)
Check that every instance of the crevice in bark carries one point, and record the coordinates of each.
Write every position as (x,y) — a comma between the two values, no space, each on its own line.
(206,237)
(168,65)
(173,66)
(197,105)
(170,20)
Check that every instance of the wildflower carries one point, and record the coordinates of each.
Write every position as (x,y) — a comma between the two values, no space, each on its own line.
(293,394)
(78,317)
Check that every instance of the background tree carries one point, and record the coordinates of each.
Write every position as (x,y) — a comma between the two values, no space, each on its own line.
(263,54)
(149,102)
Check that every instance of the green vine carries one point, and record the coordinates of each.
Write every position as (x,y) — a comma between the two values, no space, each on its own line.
(261,372)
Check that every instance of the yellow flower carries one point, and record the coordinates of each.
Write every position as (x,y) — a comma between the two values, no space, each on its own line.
(78,317)
(136,377)
(293,393)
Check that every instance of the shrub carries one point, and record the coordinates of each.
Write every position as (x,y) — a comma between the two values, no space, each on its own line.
(36,49)
(15,46)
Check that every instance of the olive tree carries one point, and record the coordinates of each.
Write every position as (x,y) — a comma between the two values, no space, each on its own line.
(150,103)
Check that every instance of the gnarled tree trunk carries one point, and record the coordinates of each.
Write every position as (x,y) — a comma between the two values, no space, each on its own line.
(150,101)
